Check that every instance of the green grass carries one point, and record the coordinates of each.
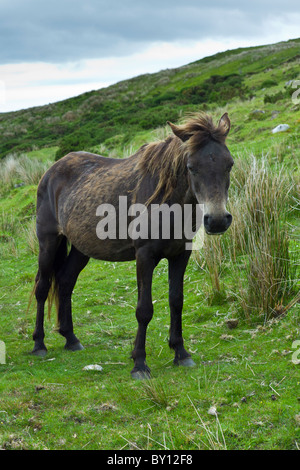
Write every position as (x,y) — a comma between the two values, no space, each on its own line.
(249,374)
(53,403)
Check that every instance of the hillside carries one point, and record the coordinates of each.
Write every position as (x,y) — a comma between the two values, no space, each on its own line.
(248,79)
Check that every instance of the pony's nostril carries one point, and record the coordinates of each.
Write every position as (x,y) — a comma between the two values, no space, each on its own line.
(207,220)
(229,219)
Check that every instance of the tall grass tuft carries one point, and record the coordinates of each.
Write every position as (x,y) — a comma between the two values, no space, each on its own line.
(21,170)
(156,392)
(256,248)
(29,231)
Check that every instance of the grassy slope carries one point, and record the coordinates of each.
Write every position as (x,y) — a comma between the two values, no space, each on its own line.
(115,115)
(246,373)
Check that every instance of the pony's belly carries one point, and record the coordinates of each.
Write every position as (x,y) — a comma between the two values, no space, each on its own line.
(113,252)
(106,250)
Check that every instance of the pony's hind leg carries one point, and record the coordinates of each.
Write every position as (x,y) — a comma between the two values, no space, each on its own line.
(48,246)
(66,278)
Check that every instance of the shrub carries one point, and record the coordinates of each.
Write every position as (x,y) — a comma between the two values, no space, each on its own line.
(280,95)
(78,140)
(268,83)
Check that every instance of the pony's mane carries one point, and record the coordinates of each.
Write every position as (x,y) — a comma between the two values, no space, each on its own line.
(167,159)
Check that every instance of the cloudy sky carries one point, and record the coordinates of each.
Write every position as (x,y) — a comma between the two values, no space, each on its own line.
(52,50)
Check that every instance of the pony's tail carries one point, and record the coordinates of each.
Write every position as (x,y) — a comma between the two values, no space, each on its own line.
(53,299)
(60,257)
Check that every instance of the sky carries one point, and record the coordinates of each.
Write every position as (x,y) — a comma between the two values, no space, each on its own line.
(53,50)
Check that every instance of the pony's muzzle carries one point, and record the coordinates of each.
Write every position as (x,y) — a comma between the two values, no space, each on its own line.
(215,225)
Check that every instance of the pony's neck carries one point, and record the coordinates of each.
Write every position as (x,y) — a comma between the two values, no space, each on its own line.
(182,193)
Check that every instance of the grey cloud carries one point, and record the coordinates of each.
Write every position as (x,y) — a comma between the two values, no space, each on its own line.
(65,30)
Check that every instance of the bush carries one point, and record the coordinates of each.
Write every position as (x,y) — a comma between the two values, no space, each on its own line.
(216,89)
(78,140)
(268,83)
(280,95)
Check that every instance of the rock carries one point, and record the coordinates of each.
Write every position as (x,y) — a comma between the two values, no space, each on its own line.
(280,128)
(93,367)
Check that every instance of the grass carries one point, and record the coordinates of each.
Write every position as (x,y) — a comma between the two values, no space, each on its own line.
(244,391)
(52,403)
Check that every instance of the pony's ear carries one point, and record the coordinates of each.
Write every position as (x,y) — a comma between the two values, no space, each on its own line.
(179,132)
(224,124)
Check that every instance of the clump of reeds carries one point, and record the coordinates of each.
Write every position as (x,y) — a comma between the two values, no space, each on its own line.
(256,248)
(21,169)
(17,171)
(29,231)
(270,271)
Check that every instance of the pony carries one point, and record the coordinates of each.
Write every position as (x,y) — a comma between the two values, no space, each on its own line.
(191,167)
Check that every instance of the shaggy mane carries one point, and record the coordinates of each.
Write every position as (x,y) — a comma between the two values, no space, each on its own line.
(167,158)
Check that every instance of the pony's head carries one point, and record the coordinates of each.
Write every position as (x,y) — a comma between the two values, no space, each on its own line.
(208,162)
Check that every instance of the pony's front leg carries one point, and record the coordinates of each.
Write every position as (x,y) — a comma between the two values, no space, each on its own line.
(177,266)
(145,265)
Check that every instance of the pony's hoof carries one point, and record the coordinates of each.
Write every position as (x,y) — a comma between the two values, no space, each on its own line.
(39,352)
(141,374)
(187,362)
(74,347)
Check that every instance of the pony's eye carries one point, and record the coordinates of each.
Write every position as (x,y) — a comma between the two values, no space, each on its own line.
(191,169)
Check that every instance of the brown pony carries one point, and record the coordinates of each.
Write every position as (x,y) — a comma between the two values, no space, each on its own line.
(190,167)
